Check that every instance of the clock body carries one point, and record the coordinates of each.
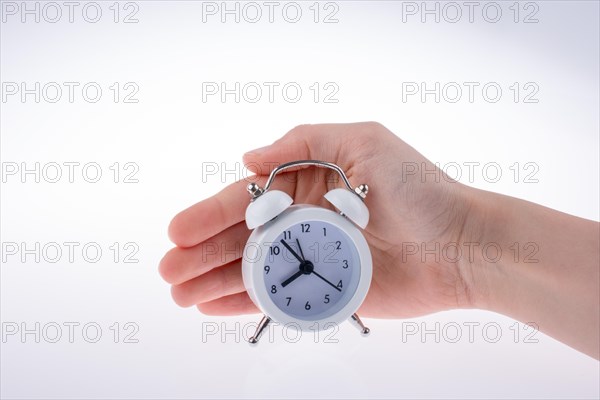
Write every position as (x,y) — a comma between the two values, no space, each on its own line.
(309,266)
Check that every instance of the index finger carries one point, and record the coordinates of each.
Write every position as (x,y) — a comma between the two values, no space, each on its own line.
(211,216)
(205,219)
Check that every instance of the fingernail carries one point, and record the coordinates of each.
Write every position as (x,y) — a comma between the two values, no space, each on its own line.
(258,151)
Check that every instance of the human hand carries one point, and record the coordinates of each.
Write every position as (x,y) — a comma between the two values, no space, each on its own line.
(205,267)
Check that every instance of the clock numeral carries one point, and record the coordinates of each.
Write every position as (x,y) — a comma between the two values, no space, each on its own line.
(340,284)
(289,299)
(326,299)
(287,235)
(338,245)
(345,264)
(324,231)
(307,306)
(275,250)
(267,269)
(274,289)
(305,228)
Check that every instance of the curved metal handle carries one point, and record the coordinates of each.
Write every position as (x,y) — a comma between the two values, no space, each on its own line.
(256,191)
(300,163)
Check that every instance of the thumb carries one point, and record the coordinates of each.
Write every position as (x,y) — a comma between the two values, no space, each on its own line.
(305,142)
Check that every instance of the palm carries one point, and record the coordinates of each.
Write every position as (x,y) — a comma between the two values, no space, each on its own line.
(401,287)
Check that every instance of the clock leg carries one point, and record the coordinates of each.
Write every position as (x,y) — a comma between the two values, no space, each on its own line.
(259,329)
(355,320)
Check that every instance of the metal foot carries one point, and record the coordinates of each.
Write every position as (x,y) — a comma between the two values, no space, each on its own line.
(259,329)
(359,324)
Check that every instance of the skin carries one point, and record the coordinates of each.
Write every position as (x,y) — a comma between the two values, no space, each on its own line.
(553,282)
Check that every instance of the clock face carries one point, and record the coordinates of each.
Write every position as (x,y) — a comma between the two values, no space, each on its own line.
(311,270)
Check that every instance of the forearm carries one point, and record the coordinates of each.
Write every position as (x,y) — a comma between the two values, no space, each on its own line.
(549,270)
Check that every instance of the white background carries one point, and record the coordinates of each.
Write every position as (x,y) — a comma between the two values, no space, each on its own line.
(171,134)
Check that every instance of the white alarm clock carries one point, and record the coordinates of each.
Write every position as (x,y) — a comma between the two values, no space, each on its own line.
(307,265)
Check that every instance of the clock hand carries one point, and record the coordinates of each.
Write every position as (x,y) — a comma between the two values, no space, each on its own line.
(332,285)
(300,248)
(291,278)
(305,266)
(287,246)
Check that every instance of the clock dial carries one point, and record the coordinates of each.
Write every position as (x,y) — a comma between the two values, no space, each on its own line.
(311,270)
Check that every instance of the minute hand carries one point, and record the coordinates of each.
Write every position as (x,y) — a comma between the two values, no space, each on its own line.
(332,285)
(287,246)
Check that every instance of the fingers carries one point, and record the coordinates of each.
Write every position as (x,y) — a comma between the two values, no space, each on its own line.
(234,304)
(217,283)
(342,144)
(211,216)
(182,264)
(327,142)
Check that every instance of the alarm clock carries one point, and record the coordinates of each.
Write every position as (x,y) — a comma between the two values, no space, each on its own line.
(305,265)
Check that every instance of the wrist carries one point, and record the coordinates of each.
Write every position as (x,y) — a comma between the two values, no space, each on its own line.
(536,265)
(486,252)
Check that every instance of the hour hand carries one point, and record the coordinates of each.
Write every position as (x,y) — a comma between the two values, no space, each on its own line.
(291,278)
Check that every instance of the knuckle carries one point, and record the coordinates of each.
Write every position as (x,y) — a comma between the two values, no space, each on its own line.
(302,129)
